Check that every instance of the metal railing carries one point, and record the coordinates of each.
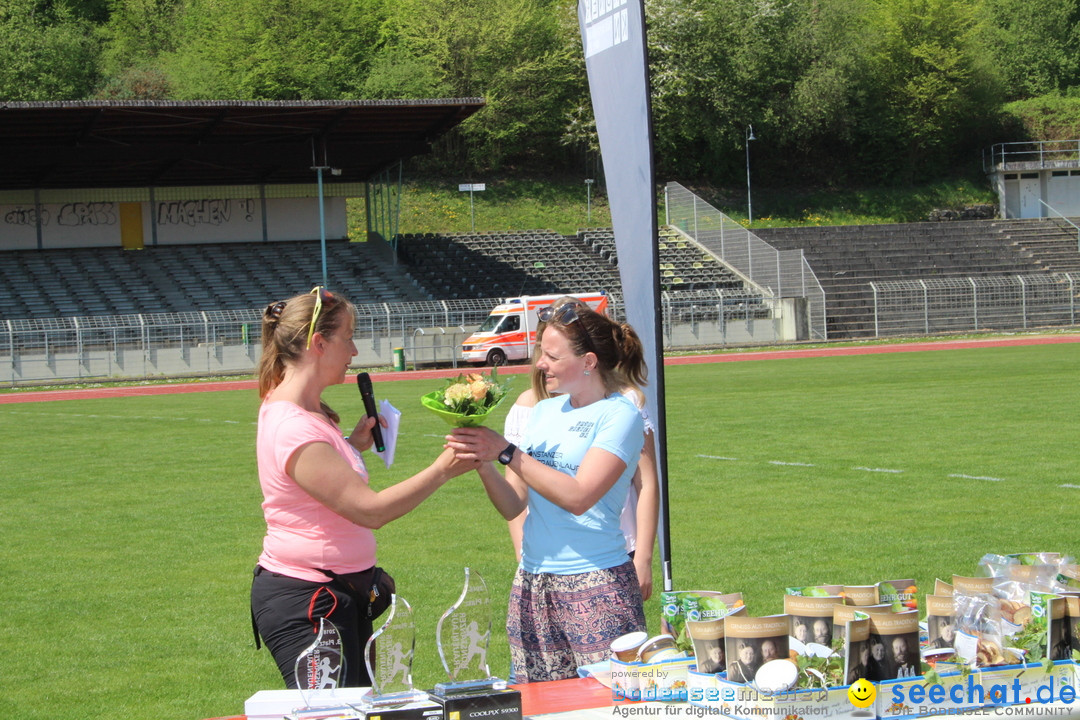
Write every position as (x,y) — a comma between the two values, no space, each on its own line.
(220,342)
(205,343)
(916,307)
(1032,155)
(775,273)
(1070,222)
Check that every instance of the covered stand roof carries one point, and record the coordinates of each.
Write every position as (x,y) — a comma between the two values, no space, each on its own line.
(165,143)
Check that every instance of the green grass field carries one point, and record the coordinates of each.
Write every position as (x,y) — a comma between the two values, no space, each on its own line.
(130,526)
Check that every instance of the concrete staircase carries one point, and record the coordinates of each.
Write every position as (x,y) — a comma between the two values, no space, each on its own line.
(847,258)
(1051,243)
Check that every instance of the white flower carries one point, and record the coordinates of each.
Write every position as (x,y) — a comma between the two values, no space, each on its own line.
(456,393)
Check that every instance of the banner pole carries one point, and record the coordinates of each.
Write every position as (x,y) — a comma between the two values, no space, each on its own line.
(616,60)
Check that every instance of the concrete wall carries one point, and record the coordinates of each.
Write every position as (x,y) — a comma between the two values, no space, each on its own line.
(168,221)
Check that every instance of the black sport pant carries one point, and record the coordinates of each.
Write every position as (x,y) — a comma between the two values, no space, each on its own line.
(286,612)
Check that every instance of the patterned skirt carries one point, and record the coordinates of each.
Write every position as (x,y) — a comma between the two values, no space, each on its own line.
(556,623)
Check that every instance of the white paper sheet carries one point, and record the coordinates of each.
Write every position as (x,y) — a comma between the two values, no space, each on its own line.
(390,432)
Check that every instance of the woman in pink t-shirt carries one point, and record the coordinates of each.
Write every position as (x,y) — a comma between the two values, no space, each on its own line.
(319,510)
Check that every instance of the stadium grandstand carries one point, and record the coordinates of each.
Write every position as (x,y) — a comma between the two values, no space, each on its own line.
(851,262)
(186,217)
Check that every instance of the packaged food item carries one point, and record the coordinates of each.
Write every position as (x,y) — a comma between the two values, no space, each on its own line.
(894,645)
(861,595)
(659,648)
(992,565)
(776,676)
(940,622)
(857,648)
(750,642)
(811,618)
(973,585)
(1036,558)
(708,639)
(1068,577)
(1045,634)
(942,588)
(901,594)
(815,590)
(1072,618)
(678,606)
(625,647)
(978,627)
(843,614)
(709,605)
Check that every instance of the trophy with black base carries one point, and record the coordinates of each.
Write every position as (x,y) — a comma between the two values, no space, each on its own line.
(389,657)
(462,636)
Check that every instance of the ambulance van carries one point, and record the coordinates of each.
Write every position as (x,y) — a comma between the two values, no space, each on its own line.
(509,332)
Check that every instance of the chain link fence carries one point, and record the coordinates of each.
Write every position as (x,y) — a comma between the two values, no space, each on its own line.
(1015,302)
(774,272)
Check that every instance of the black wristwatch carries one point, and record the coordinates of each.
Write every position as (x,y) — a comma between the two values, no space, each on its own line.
(508,454)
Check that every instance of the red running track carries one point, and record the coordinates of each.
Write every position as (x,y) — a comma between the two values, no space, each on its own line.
(212,386)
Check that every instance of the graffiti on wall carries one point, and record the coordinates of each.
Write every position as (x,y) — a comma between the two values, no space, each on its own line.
(204,212)
(67,215)
(20,215)
(80,214)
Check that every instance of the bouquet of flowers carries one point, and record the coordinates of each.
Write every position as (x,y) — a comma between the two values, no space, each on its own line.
(467,400)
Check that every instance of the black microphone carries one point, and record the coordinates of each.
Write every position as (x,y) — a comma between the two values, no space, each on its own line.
(363,381)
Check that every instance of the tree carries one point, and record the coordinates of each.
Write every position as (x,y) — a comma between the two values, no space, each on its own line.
(1036,45)
(46,52)
(273,49)
(688,69)
(522,56)
(932,88)
(790,69)
(136,33)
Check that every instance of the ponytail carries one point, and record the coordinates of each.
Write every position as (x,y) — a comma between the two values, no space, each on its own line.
(271,367)
(630,364)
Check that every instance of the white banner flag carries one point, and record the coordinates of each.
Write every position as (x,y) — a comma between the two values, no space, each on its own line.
(613,35)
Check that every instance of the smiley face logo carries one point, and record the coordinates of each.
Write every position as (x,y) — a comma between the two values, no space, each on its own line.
(862,693)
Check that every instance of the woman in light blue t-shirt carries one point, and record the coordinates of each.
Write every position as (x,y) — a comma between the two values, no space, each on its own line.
(576,589)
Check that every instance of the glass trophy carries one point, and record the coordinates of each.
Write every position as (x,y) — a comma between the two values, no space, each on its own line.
(462,636)
(389,658)
(321,666)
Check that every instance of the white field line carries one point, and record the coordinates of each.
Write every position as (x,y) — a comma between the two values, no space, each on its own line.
(889,471)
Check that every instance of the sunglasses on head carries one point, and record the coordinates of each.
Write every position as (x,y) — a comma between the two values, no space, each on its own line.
(565,314)
(320,294)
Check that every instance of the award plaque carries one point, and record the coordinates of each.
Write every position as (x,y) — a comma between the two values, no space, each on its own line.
(320,668)
(389,658)
(462,636)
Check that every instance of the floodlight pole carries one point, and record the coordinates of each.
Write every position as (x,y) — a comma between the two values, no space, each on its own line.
(322,222)
(749,207)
